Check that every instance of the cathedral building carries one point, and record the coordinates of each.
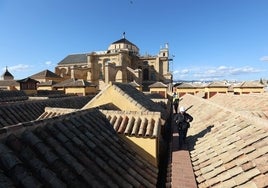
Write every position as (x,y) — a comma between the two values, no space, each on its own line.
(121,62)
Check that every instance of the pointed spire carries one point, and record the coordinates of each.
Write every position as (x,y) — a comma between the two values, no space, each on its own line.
(7,75)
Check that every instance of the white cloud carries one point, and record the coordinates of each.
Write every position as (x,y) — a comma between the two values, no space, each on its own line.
(243,70)
(48,63)
(264,58)
(181,73)
(213,73)
(18,68)
(185,71)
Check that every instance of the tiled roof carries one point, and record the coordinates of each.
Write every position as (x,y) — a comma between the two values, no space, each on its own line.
(14,113)
(9,83)
(139,124)
(47,83)
(250,104)
(63,83)
(27,80)
(45,74)
(154,96)
(140,98)
(76,150)
(124,41)
(185,85)
(218,84)
(9,96)
(247,84)
(72,82)
(158,85)
(78,83)
(74,58)
(227,149)
(53,112)
(135,97)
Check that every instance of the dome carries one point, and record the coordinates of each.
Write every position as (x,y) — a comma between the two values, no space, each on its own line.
(123,45)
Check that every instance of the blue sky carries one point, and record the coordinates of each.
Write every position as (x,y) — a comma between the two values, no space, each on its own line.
(209,39)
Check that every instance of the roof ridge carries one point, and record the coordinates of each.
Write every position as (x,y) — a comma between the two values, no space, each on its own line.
(21,127)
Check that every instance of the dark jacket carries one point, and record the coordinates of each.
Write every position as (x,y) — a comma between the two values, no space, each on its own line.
(183,120)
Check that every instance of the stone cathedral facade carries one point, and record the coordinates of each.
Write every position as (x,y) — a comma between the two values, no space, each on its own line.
(121,62)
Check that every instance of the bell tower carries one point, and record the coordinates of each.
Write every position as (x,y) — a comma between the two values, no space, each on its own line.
(164,52)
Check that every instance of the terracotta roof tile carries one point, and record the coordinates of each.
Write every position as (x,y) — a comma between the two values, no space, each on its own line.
(158,85)
(80,149)
(14,113)
(139,98)
(226,144)
(248,104)
(260,181)
(246,84)
(45,74)
(139,124)
(217,84)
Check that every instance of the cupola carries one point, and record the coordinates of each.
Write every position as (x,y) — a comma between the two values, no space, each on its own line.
(123,45)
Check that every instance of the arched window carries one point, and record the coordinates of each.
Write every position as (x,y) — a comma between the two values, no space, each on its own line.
(119,76)
(153,77)
(145,74)
(100,72)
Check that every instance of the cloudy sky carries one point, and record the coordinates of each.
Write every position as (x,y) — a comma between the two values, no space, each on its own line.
(208,39)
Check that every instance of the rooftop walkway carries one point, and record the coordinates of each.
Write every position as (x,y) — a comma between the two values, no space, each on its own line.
(225,148)
(182,175)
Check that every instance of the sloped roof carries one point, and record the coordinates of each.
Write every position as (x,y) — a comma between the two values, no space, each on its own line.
(72,82)
(218,84)
(9,83)
(227,149)
(53,112)
(158,85)
(134,84)
(64,82)
(145,102)
(11,96)
(7,74)
(247,84)
(47,83)
(139,124)
(79,83)
(74,58)
(44,74)
(185,85)
(14,113)
(124,41)
(135,97)
(76,150)
(250,104)
(27,80)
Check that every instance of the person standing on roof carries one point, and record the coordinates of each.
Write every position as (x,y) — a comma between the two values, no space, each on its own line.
(175,102)
(183,120)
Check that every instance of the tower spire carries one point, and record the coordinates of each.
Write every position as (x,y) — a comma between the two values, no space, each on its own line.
(124,35)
